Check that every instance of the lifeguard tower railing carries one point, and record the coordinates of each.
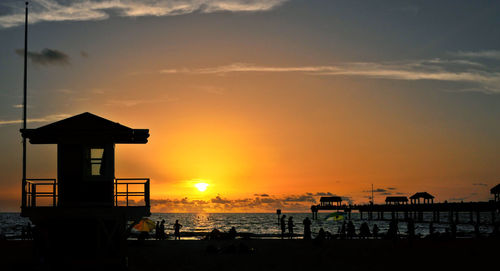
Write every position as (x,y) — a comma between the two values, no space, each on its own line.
(127,192)
(127,189)
(41,188)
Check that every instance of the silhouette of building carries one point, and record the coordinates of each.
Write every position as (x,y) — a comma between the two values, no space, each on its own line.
(86,204)
(496,192)
(427,198)
(330,201)
(396,200)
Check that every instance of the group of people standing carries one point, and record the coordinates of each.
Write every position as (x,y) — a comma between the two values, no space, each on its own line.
(160,230)
(290,225)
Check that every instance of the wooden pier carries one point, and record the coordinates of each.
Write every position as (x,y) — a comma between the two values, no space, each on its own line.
(399,205)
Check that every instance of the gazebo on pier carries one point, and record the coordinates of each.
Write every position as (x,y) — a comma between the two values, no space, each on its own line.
(396,200)
(427,198)
(330,201)
(496,192)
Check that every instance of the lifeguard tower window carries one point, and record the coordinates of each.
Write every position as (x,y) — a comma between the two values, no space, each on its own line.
(96,158)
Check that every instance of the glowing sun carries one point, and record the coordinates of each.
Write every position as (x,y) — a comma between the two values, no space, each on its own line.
(201,186)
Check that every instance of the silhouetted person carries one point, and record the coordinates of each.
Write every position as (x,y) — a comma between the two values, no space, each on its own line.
(453,229)
(496,230)
(157,230)
(215,234)
(162,230)
(283,226)
(342,230)
(307,228)
(431,229)
(364,230)
(392,233)
(411,228)
(321,234)
(290,227)
(351,230)
(375,231)
(177,230)
(232,233)
(476,230)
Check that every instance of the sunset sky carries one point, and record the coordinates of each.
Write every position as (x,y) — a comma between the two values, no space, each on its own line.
(273,103)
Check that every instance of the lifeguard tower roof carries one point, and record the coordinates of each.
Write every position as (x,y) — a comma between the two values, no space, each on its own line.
(85,127)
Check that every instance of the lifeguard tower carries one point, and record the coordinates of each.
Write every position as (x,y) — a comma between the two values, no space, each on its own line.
(86,209)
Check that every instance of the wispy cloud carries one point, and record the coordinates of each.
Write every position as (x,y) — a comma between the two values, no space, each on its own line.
(260,202)
(47,118)
(484,78)
(46,57)
(87,10)
(488,54)
(135,102)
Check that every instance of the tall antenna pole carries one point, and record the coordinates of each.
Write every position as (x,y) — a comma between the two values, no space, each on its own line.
(373,200)
(23,195)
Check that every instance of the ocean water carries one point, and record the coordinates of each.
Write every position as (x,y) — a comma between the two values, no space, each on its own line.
(263,225)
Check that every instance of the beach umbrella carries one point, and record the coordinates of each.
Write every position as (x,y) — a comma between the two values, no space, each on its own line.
(145,225)
(337,216)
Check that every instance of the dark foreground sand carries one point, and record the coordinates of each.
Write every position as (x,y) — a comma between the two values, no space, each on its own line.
(460,254)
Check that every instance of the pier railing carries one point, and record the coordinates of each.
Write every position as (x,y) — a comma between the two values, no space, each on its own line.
(129,189)
(41,188)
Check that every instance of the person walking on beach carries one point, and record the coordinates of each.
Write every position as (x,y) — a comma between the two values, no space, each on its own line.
(321,234)
(157,230)
(351,230)
(411,228)
(477,233)
(177,230)
(307,228)
(375,231)
(364,231)
(392,233)
(453,229)
(290,227)
(342,230)
(232,233)
(283,226)
(162,230)
(431,229)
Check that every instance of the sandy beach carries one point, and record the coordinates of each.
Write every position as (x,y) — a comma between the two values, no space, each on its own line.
(423,254)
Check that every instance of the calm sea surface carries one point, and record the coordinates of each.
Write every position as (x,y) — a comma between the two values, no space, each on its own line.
(260,224)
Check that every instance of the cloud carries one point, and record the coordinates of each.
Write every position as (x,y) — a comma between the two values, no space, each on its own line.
(262,195)
(260,202)
(483,78)
(220,200)
(488,54)
(135,102)
(84,54)
(48,118)
(94,10)
(324,194)
(46,57)
(479,184)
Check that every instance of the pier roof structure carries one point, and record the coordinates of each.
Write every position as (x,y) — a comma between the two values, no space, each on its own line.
(496,191)
(329,201)
(427,198)
(396,200)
